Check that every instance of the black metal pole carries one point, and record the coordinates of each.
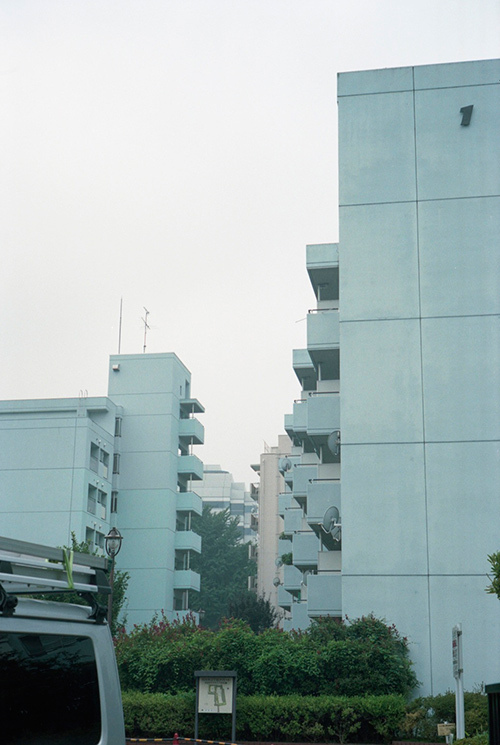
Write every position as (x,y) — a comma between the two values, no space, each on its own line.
(110,596)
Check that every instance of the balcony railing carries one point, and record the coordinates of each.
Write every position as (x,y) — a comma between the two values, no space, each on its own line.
(324,594)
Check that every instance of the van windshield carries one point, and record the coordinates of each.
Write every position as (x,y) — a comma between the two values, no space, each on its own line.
(49,692)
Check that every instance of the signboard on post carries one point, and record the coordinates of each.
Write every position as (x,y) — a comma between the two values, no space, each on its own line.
(215,694)
(458,671)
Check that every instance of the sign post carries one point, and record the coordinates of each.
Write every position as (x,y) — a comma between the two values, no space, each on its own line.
(458,672)
(215,694)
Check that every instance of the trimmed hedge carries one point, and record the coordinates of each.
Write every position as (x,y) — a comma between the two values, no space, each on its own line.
(293,718)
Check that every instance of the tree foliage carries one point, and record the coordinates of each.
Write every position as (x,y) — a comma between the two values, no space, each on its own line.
(120,584)
(224,564)
(256,610)
(346,659)
(494,587)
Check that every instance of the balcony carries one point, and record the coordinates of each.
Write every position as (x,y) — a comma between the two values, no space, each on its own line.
(190,466)
(322,330)
(187,540)
(292,579)
(323,414)
(284,503)
(305,547)
(322,495)
(284,546)
(284,598)
(190,406)
(293,521)
(304,369)
(192,430)
(324,595)
(322,262)
(188,501)
(301,482)
(186,579)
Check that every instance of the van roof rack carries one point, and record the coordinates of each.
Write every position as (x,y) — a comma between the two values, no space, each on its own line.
(33,569)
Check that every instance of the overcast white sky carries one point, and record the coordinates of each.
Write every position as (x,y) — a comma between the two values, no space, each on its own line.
(180,154)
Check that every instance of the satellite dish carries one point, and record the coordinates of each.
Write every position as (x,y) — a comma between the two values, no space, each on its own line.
(331,523)
(284,464)
(334,442)
(276,582)
(278,562)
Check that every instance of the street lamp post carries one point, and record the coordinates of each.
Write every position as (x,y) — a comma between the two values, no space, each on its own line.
(113,544)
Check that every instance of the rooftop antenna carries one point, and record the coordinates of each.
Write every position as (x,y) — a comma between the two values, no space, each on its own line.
(120,327)
(146,327)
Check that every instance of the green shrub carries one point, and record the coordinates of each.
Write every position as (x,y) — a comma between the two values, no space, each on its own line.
(424,714)
(292,718)
(364,657)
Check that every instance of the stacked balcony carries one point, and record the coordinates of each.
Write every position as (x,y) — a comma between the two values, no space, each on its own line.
(189,468)
(314,427)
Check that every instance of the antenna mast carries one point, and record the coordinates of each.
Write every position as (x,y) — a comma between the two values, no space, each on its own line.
(146,327)
(120,327)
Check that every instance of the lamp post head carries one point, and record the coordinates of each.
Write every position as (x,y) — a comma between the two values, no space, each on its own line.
(113,542)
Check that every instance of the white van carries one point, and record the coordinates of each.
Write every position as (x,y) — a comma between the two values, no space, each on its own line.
(58,677)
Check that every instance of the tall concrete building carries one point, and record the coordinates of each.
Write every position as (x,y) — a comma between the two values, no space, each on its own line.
(220,491)
(84,465)
(419,350)
(269,490)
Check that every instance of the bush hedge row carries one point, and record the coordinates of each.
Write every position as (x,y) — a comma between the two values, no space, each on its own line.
(425,713)
(269,718)
(327,659)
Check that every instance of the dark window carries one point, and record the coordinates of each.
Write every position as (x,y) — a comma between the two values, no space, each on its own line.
(52,695)
(116,463)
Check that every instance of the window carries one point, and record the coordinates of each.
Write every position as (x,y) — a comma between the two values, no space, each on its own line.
(118,426)
(92,500)
(116,463)
(94,457)
(182,560)
(114,501)
(104,459)
(181,599)
(102,499)
(52,691)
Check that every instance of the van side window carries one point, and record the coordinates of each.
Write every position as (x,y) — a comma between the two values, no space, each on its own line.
(50,690)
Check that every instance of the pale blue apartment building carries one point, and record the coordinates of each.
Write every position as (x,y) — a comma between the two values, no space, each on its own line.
(86,464)
(414,347)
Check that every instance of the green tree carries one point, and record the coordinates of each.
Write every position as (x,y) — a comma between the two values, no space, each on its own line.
(255,609)
(224,564)
(120,584)
(494,587)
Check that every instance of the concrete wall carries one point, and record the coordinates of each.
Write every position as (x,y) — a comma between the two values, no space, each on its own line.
(420,354)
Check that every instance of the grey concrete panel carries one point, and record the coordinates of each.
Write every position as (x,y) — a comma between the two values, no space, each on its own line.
(143,508)
(477,72)
(376,149)
(383,510)
(461,373)
(459,260)
(463,600)
(375,81)
(453,160)
(153,470)
(150,432)
(381,382)
(462,497)
(399,600)
(379,261)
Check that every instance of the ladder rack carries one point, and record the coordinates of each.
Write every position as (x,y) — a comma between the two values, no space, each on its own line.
(33,569)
